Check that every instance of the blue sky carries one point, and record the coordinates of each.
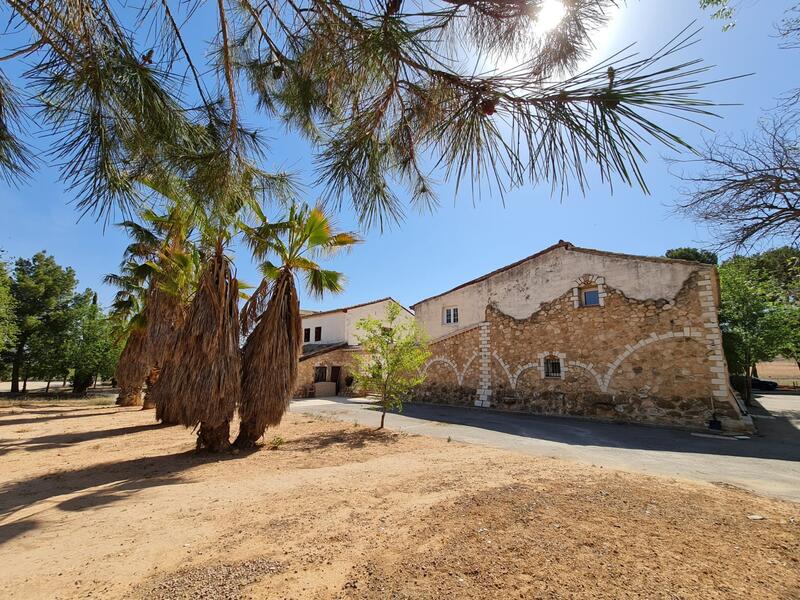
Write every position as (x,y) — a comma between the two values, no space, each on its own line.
(430,253)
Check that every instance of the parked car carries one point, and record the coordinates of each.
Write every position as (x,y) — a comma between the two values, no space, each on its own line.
(738,383)
(764,384)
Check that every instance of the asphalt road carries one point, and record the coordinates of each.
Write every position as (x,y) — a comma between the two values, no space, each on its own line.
(767,463)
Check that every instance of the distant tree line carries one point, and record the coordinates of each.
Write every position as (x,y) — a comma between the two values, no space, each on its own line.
(49,331)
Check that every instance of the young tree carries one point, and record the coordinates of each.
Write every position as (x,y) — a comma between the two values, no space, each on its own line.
(43,292)
(49,349)
(273,348)
(756,324)
(393,354)
(695,254)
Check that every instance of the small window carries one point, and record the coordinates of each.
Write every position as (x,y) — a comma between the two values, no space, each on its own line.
(306,334)
(320,374)
(552,367)
(317,334)
(591,297)
(451,315)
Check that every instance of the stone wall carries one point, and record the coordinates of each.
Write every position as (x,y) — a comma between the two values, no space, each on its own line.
(341,357)
(628,359)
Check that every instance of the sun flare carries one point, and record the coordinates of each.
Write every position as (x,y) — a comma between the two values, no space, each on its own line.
(550,15)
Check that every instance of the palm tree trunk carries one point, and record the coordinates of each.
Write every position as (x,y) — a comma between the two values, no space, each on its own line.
(270,362)
(214,438)
(132,369)
(131,396)
(152,378)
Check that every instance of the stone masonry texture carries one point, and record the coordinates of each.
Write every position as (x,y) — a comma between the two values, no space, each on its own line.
(649,361)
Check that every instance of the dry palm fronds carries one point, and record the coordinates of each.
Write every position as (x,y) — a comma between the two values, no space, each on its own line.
(270,363)
(132,369)
(201,380)
(151,380)
(166,314)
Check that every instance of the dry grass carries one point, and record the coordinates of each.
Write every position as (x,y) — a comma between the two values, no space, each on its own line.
(103,503)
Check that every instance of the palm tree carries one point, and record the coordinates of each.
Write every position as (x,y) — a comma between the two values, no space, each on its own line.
(128,313)
(200,379)
(272,350)
(159,271)
(174,277)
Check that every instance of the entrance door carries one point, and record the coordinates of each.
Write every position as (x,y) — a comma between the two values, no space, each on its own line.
(335,372)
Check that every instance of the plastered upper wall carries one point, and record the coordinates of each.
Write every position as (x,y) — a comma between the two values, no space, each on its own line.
(519,291)
(333,327)
(340,326)
(376,310)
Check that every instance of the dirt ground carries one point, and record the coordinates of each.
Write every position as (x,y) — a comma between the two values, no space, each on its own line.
(101,502)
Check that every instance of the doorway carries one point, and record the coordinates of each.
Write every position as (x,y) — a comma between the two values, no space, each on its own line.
(335,373)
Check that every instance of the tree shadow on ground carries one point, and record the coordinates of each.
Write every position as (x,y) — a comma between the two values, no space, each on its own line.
(56,415)
(353,439)
(117,479)
(9,531)
(63,440)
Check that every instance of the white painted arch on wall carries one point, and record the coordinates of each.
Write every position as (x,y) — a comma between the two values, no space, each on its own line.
(603,380)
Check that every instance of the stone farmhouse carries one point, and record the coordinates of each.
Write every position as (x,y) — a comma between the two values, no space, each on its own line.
(574,331)
(330,341)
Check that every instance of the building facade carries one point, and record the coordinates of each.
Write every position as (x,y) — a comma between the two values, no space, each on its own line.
(330,345)
(581,332)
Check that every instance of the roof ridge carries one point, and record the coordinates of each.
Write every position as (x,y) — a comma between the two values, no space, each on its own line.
(560,244)
(351,307)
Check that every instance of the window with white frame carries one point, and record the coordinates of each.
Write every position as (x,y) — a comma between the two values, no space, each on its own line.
(552,367)
(590,296)
(450,316)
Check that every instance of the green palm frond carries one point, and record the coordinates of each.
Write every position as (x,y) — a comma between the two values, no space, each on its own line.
(318,281)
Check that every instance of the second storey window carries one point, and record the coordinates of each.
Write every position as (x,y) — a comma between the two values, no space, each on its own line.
(307,334)
(591,297)
(317,334)
(451,315)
